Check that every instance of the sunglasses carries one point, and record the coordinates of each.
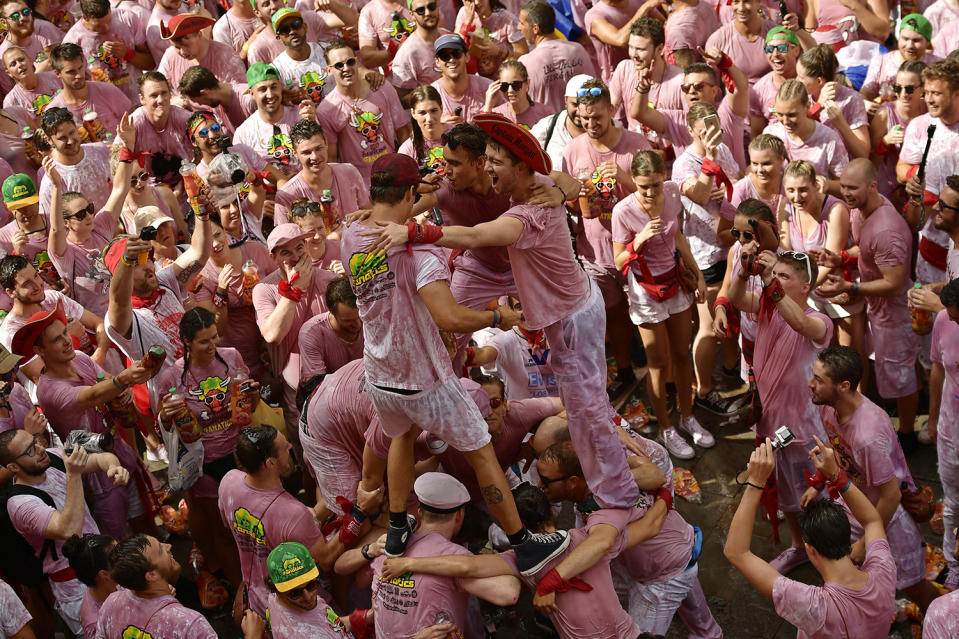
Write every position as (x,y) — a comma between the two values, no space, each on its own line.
(782,48)
(697,86)
(449,54)
(142,177)
(17,16)
(803,257)
(495,402)
(297,593)
(908,88)
(293,25)
(303,209)
(213,129)
(593,91)
(421,11)
(516,85)
(81,214)
(747,236)
(339,66)
(546,481)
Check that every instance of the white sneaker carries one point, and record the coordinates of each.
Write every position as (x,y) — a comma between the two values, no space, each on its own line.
(701,436)
(923,436)
(675,443)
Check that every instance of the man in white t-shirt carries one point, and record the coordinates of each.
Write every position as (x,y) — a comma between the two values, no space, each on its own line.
(555,132)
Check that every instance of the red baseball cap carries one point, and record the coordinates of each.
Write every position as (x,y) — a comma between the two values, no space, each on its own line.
(28,334)
(402,169)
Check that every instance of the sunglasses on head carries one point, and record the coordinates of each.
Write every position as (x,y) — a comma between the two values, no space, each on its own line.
(292,25)
(698,86)
(17,16)
(908,88)
(593,91)
(782,48)
(213,129)
(303,209)
(143,176)
(516,85)
(421,11)
(449,54)
(339,66)
(747,236)
(81,214)
(297,593)
(802,257)
(54,114)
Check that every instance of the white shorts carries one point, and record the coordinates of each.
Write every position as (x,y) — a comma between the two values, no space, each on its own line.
(652,606)
(643,309)
(445,410)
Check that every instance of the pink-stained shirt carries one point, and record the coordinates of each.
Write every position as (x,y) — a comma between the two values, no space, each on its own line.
(749,56)
(155,41)
(762,98)
(527,118)
(659,252)
(260,520)
(12,323)
(816,239)
(90,614)
(433,150)
(44,35)
(824,149)
(242,105)
(940,14)
(662,95)
(946,40)
(35,250)
(12,146)
(465,208)
(104,99)
(348,190)
(942,617)
(500,27)
(363,129)
(35,99)
(340,412)
(404,606)
(285,354)
(273,148)
(309,75)
(377,25)
(550,281)
(853,110)
(20,407)
(13,614)
(233,31)
(414,63)
(266,46)
(403,348)
(883,70)
(701,223)
(525,369)
(688,28)
(666,555)
(887,167)
(745,189)
(550,65)
(207,390)
(221,59)
(172,139)
(885,239)
(945,351)
(734,128)
(783,360)
(581,159)
(472,101)
(834,610)
(125,614)
(295,623)
(944,139)
(322,351)
(90,176)
(607,55)
(80,266)
(123,75)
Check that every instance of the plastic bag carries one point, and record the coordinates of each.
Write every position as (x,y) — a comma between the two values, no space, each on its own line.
(686,486)
(186,460)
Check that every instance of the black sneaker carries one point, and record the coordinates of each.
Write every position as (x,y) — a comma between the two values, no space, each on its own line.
(397,538)
(537,551)
(623,384)
(714,403)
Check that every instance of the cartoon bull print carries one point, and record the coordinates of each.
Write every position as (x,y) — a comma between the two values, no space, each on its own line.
(399,28)
(367,124)
(436,161)
(40,103)
(108,60)
(280,148)
(214,392)
(313,83)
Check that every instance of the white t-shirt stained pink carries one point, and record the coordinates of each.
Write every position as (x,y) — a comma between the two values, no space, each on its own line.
(824,149)
(550,66)
(123,614)
(749,56)
(472,101)
(414,63)
(322,351)
(945,351)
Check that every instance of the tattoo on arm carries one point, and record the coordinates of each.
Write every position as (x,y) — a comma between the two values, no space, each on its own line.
(492,495)
(191,269)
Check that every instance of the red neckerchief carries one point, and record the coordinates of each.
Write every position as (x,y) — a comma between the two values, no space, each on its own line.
(146,302)
(534,339)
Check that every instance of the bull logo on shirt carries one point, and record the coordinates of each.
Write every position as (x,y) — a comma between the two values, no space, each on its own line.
(364,267)
(132,632)
(280,148)
(846,461)
(435,160)
(399,29)
(45,268)
(245,523)
(214,392)
(602,199)
(367,124)
(312,83)
(108,60)
(40,103)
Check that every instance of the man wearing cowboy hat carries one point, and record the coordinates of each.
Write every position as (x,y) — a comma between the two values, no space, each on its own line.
(190,48)
(557,297)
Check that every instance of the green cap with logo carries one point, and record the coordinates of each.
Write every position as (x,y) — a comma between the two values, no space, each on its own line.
(918,23)
(283,14)
(19,191)
(290,566)
(260,71)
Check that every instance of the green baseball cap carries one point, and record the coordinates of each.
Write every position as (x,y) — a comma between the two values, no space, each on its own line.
(918,23)
(290,566)
(782,33)
(260,71)
(19,191)
(283,14)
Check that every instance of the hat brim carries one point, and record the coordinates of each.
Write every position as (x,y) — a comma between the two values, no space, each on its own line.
(515,138)
(295,238)
(286,18)
(296,582)
(157,222)
(8,362)
(28,334)
(194,24)
(19,204)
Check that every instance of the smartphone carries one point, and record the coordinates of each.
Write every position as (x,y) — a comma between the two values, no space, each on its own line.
(712,122)
(783,10)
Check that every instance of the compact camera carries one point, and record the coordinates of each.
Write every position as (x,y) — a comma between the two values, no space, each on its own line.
(148,233)
(782,438)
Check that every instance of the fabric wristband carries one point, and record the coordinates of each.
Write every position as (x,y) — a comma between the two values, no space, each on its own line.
(126,155)
(552,582)
(719,176)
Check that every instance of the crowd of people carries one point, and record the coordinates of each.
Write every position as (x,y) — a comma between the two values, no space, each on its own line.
(362,280)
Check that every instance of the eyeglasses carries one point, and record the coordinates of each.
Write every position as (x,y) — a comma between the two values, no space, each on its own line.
(421,11)
(31,449)
(908,88)
(339,66)
(593,91)
(495,402)
(546,481)
(516,85)
(81,214)
(293,25)
(943,205)
(747,236)
(303,209)
(54,114)
(782,48)
(213,129)
(803,257)
(297,593)
(449,54)
(142,177)
(17,16)
(698,86)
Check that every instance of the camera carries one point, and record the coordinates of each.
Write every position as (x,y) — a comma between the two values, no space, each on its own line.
(148,233)
(227,169)
(223,142)
(90,442)
(782,438)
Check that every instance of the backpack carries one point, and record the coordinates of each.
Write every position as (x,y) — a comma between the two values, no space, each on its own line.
(19,562)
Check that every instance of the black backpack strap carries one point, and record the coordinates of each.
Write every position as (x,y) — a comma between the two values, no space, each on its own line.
(23,489)
(552,127)
(56,462)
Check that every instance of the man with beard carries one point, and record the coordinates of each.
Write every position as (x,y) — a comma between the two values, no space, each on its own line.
(33,90)
(302,67)
(232,102)
(36,39)
(414,62)
(884,252)
(23,455)
(320,27)
(782,53)
(463,95)
(556,131)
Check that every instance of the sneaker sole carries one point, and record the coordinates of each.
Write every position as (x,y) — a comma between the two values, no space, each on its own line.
(691,455)
(726,412)
(535,569)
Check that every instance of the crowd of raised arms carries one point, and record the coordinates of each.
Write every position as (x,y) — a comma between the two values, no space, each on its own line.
(390,318)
